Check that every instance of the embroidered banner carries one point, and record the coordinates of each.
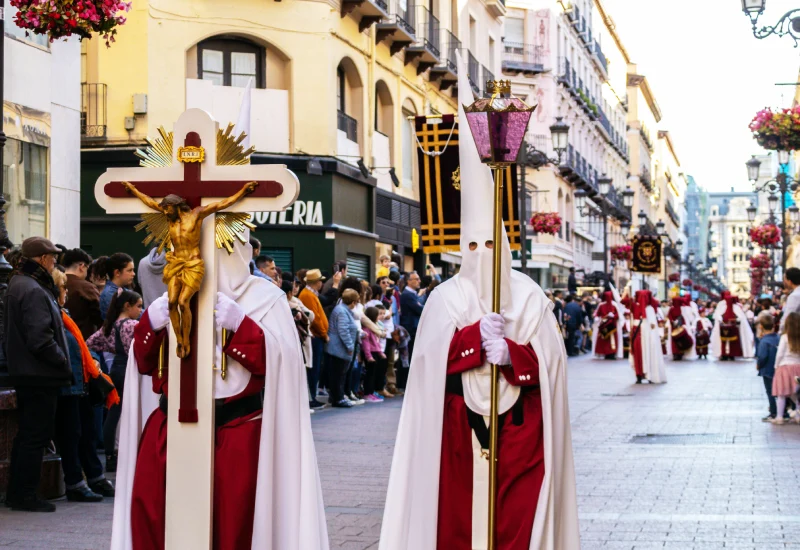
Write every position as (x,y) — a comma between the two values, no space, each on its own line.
(646,254)
(440,188)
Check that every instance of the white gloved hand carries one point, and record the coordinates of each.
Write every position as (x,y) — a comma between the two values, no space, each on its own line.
(492,327)
(158,312)
(497,352)
(229,314)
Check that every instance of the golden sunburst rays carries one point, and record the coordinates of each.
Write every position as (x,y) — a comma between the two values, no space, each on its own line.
(228,226)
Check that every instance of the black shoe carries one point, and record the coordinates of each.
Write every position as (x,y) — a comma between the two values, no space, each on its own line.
(639,379)
(103,487)
(343,404)
(316,405)
(33,504)
(111,463)
(83,494)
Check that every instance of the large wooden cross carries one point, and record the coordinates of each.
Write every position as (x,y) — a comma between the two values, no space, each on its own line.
(195,176)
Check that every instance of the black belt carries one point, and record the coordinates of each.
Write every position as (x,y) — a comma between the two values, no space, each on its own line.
(455,386)
(226,412)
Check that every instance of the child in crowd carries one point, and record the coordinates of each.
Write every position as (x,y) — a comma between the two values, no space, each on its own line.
(787,367)
(116,337)
(765,359)
(374,358)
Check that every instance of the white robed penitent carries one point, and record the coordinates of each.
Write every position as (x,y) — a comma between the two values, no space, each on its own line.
(411,511)
(289,511)
(745,332)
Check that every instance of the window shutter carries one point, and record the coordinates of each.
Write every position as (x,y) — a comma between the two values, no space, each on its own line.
(283,258)
(358,266)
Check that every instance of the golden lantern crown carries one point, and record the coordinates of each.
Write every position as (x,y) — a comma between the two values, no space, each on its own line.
(498,87)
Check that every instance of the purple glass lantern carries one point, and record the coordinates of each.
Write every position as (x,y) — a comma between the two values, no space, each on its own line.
(498,124)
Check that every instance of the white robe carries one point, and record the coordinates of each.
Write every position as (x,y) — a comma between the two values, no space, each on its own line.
(652,355)
(411,512)
(289,511)
(745,332)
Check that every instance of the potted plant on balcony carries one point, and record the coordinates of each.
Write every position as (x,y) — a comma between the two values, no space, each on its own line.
(622,252)
(546,222)
(62,19)
(768,234)
(777,130)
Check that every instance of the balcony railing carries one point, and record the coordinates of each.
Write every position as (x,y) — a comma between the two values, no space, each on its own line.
(604,122)
(522,58)
(348,125)
(600,56)
(450,45)
(566,74)
(487,76)
(474,73)
(427,26)
(93,111)
(672,213)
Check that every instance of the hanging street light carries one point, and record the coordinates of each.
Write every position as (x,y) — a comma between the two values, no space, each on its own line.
(498,125)
(783,156)
(661,227)
(788,24)
(559,135)
(604,184)
(753,168)
(751,213)
(642,218)
(580,200)
(627,197)
(773,202)
(679,246)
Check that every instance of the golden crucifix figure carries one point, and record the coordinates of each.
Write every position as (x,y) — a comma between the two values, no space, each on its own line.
(184,271)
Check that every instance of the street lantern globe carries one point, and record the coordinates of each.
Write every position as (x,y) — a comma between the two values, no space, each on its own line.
(751,212)
(580,198)
(773,202)
(783,156)
(642,218)
(625,226)
(679,245)
(604,183)
(691,256)
(753,167)
(661,227)
(753,7)
(794,213)
(559,134)
(627,197)
(498,124)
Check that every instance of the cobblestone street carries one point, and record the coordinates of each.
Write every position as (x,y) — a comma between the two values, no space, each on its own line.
(685,465)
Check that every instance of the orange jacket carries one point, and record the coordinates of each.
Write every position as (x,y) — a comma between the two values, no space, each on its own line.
(319,326)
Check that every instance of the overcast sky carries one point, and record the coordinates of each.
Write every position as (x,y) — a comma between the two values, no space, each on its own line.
(709,75)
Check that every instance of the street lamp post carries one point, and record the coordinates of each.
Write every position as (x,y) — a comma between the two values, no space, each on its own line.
(782,183)
(604,184)
(531,156)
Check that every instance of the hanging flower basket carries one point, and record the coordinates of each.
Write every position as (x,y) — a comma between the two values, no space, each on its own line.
(65,18)
(674,277)
(777,130)
(546,222)
(623,252)
(768,234)
(758,262)
(687,282)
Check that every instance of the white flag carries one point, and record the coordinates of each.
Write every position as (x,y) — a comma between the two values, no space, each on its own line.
(243,123)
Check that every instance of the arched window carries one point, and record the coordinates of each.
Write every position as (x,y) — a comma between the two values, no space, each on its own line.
(230,61)
(349,100)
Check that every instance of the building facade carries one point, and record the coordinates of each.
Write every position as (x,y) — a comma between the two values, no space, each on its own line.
(331,86)
(697,220)
(729,251)
(41,120)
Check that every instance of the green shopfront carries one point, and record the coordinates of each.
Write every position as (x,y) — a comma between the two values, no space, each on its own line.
(332,219)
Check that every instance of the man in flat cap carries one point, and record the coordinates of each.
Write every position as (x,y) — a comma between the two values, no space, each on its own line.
(38,365)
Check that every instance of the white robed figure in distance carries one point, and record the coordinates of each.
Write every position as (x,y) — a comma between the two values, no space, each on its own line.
(731,336)
(438,498)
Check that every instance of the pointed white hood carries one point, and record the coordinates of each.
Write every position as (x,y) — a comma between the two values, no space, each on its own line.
(477,212)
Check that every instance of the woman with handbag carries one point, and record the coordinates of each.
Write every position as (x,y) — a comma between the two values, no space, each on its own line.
(75,426)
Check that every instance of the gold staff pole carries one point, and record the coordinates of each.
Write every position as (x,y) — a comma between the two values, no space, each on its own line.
(497,261)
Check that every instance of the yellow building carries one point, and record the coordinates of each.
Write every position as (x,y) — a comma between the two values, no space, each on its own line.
(332,85)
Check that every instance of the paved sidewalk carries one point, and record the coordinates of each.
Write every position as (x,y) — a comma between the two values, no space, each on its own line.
(719,479)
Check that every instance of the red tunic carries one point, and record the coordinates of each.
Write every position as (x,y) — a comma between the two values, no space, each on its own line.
(236,448)
(520,451)
(606,346)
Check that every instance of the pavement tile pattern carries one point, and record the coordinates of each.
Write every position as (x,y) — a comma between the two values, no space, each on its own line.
(731,484)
